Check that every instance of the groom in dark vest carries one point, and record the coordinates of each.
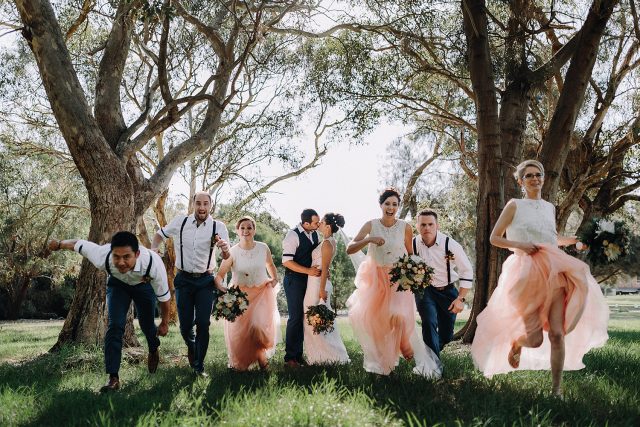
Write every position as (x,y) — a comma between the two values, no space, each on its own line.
(296,258)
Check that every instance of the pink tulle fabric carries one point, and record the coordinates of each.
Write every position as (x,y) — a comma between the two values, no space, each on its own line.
(521,302)
(383,320)
(252,337)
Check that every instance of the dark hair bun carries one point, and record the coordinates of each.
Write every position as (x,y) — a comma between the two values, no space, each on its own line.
(388,192)
(334,220)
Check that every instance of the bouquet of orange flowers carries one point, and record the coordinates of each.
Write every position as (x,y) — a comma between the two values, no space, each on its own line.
(321,318)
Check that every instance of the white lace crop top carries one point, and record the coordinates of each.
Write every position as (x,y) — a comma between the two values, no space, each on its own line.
(393,247)
(534,221)
(249,267)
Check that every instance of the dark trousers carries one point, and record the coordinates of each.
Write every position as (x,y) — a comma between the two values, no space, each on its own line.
(294,288)
(437,320)
(194,299)
(119,296)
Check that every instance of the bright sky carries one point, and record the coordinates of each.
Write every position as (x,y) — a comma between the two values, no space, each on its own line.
(346,182)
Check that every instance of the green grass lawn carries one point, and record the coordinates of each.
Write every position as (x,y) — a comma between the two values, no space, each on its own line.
(37,388)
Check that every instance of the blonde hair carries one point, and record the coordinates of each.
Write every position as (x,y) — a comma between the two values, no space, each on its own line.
(246,218)
(519,173)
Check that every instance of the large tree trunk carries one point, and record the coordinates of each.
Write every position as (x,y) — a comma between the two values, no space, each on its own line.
(490,166)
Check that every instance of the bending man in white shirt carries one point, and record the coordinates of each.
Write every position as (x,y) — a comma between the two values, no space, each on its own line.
(195,240)
(441,301)
(135,273)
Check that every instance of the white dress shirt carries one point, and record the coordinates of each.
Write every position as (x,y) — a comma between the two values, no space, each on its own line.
(291,242)
(196,242)
(435,257)
(97,255)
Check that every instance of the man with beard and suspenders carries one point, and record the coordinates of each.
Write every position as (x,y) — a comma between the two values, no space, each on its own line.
(195,238)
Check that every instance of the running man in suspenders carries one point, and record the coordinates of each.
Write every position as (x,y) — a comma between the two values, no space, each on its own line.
(441,301)
(135,273)
(195,239)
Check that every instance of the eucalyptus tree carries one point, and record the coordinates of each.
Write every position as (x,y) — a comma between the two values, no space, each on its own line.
(124,80)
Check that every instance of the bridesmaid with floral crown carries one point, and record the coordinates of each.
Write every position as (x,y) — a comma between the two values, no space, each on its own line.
(547,310)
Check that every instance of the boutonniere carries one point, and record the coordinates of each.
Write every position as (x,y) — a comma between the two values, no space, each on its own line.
(449,256)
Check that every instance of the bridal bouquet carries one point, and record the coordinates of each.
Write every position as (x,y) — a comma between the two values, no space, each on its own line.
(231,304)
(321,318)
(605,241)
(411,273)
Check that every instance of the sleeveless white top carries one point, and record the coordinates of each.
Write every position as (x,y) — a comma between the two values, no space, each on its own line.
(393,247)
(534,222)
(249,267)
(316,255)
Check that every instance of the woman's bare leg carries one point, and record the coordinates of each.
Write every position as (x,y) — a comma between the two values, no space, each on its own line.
(556,337)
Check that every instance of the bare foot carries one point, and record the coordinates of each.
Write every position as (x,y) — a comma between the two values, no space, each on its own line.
(514,355)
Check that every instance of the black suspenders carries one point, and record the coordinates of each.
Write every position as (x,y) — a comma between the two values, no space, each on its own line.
(447,254)
(447,257)
(213,242)
(182,228)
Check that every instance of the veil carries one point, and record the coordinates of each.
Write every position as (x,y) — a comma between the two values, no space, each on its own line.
(358,257)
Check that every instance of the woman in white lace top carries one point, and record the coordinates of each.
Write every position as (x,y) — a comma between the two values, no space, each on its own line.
(547,310)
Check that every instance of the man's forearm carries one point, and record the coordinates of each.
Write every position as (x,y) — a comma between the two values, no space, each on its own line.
(294,266)
(157,239)
(165,308)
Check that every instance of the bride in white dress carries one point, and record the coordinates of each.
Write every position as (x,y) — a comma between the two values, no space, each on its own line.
(323,348)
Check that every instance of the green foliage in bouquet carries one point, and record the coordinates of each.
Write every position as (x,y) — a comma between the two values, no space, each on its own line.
(231,304)
(411,273)
(321,318)
(607,241)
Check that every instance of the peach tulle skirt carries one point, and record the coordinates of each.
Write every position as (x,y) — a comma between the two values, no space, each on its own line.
(252,337)
(521,303)
(384,323)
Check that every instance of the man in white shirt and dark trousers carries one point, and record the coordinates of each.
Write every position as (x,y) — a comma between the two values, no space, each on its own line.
(135,273)
(195,239)
(440,302)
(296,258)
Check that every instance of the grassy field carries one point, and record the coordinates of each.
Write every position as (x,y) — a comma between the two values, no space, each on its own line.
(37,388)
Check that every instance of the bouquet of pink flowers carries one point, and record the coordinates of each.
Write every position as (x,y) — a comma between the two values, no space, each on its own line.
(231,304)
(411,273)
(321,318)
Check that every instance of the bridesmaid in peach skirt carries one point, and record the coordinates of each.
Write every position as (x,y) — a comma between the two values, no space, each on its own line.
(252,337)
(547,310)
(384,320)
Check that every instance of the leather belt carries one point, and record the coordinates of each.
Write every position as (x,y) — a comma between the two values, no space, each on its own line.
(443,288)
(194,275)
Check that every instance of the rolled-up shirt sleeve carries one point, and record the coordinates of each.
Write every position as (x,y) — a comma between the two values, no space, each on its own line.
(159,281)
(463,265)
(96,254)
(289,246)
(221,230)
(171,229)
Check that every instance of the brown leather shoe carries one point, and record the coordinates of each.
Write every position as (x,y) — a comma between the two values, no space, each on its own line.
(291,364)
(190,356)
(153,360)
(112,385)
